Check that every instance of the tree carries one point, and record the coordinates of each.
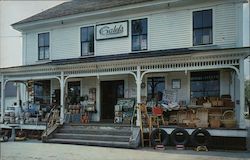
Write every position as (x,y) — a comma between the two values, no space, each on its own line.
(247,89)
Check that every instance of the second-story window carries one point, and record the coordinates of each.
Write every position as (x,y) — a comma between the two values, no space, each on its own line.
(87,41)
(202,27)
(139,35)
(43,46)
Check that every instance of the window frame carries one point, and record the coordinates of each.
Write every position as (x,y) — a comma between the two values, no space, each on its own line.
(44,47)
(210,28)
(202,78)
(154,79)
(140,35)
(88,41)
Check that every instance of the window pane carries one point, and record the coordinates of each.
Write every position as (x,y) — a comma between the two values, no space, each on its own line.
(197,36)
(155,87)
(136,43)
(40,40)
(205,84)
(41,53)
(207,18)
(42,92)
(207,36)
(91,46)
(74,89)
(85,48)
(10,89)
(84,34)
(144,26)
(90,33)
(46,53)
(46,39)
(144,42)
(197,19)
(136,27)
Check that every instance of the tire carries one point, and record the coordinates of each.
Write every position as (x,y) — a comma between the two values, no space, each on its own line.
(200,137)
(154,136)
(177,134)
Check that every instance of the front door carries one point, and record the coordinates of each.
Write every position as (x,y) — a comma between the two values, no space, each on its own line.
(110,92)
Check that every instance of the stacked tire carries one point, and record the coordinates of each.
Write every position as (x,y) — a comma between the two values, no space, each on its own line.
(180,136)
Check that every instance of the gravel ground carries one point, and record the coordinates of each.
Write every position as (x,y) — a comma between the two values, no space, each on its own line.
(35,150)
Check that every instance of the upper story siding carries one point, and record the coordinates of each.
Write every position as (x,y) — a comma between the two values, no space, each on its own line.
(167,29)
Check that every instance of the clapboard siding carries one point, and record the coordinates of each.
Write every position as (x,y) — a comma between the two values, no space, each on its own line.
(167,29)
(170,30)
(32,48)
(225,30)
(65,43)
(113,46)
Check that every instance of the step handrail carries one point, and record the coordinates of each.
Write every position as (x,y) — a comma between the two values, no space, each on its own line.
(53,118)
(132,118)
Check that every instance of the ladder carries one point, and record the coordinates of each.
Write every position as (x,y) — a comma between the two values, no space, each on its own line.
(144,123)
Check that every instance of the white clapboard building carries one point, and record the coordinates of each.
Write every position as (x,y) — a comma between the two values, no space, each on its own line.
(105,50)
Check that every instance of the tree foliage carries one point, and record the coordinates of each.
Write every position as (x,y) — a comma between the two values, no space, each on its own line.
(247,89)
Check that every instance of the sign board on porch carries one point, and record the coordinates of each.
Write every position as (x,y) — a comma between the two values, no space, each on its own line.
(112,30)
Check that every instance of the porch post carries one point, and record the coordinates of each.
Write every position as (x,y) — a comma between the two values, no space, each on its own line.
(138,91)
(62,98)
(242,95)
(98,98)
(2,98)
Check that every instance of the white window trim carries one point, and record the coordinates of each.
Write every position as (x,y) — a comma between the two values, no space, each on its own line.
(213,27)
(50,47)
(130,32)
(79,38)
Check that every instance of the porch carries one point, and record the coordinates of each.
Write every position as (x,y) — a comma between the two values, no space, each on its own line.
(134,76)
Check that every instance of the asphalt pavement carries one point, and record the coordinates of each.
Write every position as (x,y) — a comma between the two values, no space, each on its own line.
(35,150)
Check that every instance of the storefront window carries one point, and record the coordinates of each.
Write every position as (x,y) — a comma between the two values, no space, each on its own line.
(74,89)
(205,84)
(155,88)
(42,92)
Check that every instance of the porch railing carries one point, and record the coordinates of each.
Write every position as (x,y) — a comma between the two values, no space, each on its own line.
(52,122)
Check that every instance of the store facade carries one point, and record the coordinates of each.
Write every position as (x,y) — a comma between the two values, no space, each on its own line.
(147,49)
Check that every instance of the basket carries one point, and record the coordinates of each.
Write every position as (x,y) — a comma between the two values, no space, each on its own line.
(228,119)
(202,114)
(217,103)
(228,115)
(181,115)
(229,123)
(215,123)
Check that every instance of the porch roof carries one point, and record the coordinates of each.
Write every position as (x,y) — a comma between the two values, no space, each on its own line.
(135,55)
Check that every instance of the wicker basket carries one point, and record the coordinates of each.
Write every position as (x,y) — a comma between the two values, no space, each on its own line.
(228,119)
(229,123)
(215,123)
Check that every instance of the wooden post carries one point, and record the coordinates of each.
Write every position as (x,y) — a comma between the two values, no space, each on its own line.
(62,98)
(138,97)
(2,98)
(242,123)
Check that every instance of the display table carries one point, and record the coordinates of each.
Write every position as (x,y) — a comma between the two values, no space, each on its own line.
(13,131)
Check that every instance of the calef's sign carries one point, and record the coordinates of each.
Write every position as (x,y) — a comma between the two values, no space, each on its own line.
(112,30)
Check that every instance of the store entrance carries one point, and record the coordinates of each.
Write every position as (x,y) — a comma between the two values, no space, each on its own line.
(110,92)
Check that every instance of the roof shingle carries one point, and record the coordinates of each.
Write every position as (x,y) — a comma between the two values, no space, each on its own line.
(78,7)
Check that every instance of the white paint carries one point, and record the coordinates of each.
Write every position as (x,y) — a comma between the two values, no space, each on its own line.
(10,39)
(167,29)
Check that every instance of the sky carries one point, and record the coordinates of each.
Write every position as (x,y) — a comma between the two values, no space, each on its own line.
(10,39)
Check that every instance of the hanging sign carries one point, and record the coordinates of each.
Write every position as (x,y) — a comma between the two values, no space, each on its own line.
(112,30)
